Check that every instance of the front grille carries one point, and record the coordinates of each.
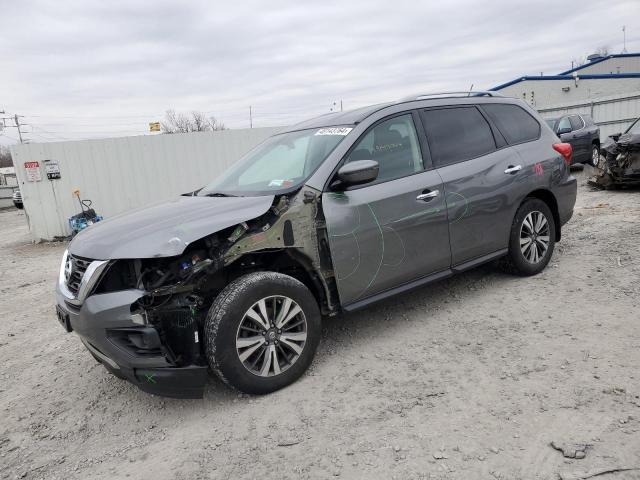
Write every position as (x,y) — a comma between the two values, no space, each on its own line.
(79,265)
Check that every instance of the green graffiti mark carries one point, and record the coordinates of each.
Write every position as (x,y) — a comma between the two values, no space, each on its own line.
(149,377)
(381,255)
(453,204)
(357,265)
(353,231)
(418,214)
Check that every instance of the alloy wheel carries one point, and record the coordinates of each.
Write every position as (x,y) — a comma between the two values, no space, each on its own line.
(595,156)
(271,336)
(534,237)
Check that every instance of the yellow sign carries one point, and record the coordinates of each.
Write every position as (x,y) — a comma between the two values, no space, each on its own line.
(154,126)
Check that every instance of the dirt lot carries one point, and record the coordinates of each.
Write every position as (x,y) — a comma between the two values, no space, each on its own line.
(471,378)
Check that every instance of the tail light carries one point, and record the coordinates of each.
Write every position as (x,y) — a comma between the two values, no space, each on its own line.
(565,150)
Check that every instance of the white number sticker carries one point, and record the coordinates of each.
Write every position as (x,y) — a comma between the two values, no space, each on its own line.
(334,131)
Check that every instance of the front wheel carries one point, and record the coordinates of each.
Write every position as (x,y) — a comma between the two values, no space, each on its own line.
(262,332)
(532,238)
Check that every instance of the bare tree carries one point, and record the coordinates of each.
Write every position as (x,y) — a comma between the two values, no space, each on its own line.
(603,50)
(194,122)
(5,157)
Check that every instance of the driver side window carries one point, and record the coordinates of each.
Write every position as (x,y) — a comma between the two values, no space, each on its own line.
(394,145)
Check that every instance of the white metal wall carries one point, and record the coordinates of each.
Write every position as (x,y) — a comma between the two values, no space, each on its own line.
(119,174)
(613,114)
(550,93)
(613,65)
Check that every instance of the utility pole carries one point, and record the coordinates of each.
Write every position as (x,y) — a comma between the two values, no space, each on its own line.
(624,39)
(340,104)
(250,118)
(18,127)
(16,119)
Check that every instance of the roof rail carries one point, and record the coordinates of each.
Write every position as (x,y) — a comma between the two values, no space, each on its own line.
(468,93)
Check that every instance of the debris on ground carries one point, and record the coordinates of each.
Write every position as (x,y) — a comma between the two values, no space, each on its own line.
(571,450)
(289,442)
(594,473)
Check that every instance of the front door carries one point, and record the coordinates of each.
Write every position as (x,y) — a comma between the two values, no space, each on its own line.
(391,231)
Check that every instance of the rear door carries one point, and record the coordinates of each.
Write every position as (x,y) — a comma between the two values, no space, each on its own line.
(581,140)
(482,177)
(393,230)
(570,137)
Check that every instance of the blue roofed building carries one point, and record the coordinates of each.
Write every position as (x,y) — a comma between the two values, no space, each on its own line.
(606,87)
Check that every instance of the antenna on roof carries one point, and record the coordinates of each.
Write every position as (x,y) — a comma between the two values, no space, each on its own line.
(624,39)
(470,90)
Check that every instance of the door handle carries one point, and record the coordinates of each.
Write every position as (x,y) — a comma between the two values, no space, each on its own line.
(428,195)
(511,169)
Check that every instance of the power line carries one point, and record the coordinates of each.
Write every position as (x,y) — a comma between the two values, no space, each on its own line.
(8,136)
(119,124)
(16,121)
(95,116)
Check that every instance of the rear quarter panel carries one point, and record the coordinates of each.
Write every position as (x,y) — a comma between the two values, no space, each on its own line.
(545,169)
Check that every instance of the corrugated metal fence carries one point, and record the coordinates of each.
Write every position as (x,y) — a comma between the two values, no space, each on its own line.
(120,174)
(613,114)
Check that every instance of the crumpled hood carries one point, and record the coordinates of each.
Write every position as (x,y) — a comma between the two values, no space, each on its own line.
(629,141)
(165,229)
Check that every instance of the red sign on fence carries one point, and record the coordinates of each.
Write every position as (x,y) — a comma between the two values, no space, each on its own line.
(33,171)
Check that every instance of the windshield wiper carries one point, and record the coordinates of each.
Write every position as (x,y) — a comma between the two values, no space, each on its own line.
(217,194)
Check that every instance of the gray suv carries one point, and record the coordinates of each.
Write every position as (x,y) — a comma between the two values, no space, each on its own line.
(580,131)
(328,216)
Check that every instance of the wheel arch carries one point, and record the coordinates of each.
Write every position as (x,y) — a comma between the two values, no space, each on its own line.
(549,198)
(288,262)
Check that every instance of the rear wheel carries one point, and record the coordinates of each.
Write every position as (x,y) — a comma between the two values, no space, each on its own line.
(262,332)
(595,155)
(532,238)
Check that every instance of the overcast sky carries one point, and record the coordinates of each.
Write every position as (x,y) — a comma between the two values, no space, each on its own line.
(89,69)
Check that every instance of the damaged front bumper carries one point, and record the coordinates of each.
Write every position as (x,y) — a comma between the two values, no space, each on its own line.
(128,349)
(619,163)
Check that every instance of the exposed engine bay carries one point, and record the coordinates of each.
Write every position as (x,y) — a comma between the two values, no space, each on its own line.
(179,290)
(619,163)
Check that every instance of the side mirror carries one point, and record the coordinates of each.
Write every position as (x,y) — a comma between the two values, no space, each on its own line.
(564,130)
(356,173)
(615,136)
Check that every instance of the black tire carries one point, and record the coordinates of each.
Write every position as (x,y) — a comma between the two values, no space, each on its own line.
(515,261)
(223,323)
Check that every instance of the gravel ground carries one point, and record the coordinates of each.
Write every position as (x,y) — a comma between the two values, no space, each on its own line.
(470,378)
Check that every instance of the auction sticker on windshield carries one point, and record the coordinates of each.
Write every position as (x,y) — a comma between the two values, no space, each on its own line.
(334,131)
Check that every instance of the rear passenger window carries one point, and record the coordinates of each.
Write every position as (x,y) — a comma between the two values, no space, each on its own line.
(576,122)
(457,134)
(514,122)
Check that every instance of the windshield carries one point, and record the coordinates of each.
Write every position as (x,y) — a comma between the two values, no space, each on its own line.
(279,163)
(634,128)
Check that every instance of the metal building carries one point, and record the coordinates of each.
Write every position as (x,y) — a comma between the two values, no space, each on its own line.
(119,174)
(607,88)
